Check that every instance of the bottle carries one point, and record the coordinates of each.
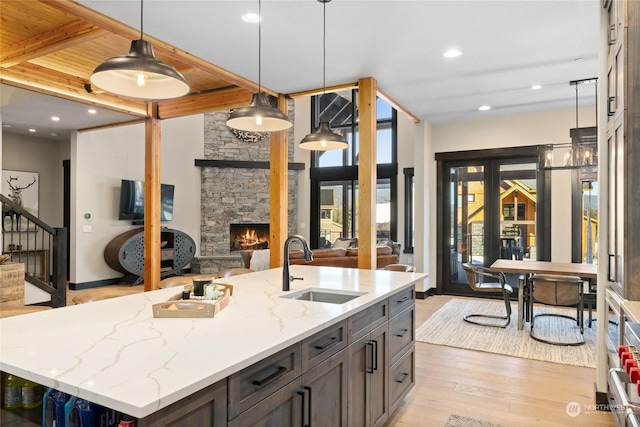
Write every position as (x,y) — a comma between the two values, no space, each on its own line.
(13,392)
(31,394)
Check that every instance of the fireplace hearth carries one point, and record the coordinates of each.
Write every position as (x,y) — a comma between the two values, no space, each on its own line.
(248,237)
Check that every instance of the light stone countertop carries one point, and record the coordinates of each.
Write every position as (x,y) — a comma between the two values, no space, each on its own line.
(115,353)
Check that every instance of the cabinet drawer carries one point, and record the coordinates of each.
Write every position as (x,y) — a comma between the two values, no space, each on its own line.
(401,333)
(367,320)
(252,384)
(402,300)
(323,345)
(401,379)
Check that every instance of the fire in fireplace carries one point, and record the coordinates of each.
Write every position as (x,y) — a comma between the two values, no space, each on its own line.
(248,236)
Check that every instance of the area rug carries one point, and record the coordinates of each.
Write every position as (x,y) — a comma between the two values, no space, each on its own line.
(446,327)
(460,421)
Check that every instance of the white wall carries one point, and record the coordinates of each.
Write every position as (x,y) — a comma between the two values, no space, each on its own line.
(44,156)
(100,159)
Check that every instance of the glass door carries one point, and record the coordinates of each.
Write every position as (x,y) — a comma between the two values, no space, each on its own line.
(489,212)
(465,216)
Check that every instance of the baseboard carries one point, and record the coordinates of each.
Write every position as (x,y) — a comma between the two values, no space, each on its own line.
(602,400)
(94,284)
(424,294)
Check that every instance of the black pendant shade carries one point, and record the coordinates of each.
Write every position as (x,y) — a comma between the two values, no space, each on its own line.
(324,139)
(140,74)
(259,116)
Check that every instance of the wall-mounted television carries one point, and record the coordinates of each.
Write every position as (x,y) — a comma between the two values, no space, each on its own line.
(132,201)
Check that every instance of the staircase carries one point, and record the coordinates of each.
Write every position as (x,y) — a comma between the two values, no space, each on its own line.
(41,248)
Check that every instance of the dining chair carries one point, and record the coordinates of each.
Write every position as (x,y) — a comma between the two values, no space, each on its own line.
(477,277)
(400,267)
(557,290)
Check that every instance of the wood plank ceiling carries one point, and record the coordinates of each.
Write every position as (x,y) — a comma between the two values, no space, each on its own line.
(53,47)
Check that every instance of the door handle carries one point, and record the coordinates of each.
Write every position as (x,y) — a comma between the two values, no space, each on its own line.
(308,389)
(610,111)
(375,355)
(369,365)
(281,370)
(610,270)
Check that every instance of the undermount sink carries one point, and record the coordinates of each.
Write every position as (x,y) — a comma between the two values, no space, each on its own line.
(324,295)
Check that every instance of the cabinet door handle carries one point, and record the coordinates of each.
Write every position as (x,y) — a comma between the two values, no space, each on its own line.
(611,268)
(281,370)
(302,409)
(375,355)
(610,111)
(402,378)
(330,343)
(402,332)
(369,365)
(308,389)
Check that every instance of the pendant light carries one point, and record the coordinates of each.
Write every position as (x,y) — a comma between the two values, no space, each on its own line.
(323,138)
(259,115)
(140,74)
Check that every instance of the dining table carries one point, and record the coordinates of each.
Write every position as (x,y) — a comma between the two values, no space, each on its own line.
(529,268)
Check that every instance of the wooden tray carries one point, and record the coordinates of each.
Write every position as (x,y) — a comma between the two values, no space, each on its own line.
(179,308)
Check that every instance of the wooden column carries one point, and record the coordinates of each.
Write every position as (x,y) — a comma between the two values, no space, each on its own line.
(152,151)
(278,187)
(367,91)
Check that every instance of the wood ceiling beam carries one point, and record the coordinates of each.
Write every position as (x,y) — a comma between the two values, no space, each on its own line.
(42,80)
(42,44)
(220,99)
(160,47)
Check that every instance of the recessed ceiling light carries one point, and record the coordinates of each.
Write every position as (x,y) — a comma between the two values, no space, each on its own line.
(452,53)
(6,126)
(536,87)
(251,18)
(91,111)
(32,130)
(578,59)
(54,134)
(484,108)
(55,118)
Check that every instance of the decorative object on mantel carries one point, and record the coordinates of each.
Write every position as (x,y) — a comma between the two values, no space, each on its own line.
(259,115)
(245,135)
(323,138)
(4,258)
(582,154)
(139,74)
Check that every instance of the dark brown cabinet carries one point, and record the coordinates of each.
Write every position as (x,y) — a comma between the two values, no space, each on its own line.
(623,145)
(368,379)
(325,393)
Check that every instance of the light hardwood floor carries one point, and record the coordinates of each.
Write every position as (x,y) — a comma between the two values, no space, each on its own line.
(501,389)
(491,387)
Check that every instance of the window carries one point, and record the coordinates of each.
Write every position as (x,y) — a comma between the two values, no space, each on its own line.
(334,174)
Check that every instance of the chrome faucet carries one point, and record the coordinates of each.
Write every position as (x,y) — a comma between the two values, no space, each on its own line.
(308,257)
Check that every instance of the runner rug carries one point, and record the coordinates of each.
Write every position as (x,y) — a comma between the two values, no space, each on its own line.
(446,327)
(460,421)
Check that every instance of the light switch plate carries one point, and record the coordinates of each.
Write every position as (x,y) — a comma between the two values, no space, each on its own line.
(86,229)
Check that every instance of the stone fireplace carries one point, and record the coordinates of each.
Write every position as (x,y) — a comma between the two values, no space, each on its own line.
(248,237)
(235,195)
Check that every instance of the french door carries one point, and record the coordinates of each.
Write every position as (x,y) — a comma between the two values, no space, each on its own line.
(487,211)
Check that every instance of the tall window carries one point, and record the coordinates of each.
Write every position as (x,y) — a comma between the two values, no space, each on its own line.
(334,174)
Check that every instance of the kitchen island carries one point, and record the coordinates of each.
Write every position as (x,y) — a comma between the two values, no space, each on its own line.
(116,354)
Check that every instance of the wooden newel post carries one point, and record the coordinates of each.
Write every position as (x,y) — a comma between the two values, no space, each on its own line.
(152,151)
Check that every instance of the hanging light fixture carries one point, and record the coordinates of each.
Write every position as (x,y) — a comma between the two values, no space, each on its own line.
(323,138)
(259,115)
(140,74)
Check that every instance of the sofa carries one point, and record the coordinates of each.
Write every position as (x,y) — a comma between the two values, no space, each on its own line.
(343,257)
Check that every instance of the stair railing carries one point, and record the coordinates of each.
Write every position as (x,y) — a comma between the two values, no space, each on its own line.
(41,248)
